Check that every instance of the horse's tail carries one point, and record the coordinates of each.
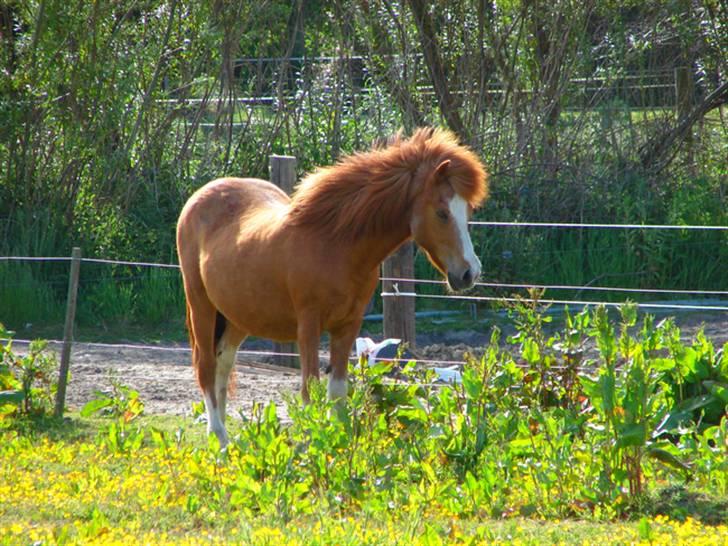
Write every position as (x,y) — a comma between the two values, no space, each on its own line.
(188,321)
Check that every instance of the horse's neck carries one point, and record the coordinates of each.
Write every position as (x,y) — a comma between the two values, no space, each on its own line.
(368,253)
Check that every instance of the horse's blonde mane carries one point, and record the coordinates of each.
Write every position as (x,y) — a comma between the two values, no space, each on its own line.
(368,193)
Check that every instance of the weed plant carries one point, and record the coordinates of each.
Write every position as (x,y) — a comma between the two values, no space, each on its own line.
(524,433)
(601,421)
(27,383)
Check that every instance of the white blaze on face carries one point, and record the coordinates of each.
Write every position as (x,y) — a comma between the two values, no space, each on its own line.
(459,212)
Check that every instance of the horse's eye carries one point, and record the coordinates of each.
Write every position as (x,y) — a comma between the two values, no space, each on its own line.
(442,215)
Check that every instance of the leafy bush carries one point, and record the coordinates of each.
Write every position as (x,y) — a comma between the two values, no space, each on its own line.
(577,423)
(28,296)
(514,437)
(27,383)
(696,378)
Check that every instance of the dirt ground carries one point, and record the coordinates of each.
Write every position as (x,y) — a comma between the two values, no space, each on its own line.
(164,377)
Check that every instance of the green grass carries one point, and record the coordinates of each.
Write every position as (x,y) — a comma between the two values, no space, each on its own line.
(26,298)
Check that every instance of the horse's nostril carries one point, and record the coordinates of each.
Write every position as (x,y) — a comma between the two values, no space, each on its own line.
(467,277)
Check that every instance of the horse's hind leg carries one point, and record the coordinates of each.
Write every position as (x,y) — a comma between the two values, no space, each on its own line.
(227,341)
(201,318)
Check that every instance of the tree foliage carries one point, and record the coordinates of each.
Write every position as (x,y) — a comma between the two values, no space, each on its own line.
(113,112)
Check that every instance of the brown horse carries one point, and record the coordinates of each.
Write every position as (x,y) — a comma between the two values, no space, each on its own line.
(256,262)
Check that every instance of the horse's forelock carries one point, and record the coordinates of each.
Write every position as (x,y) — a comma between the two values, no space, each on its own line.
(466,173)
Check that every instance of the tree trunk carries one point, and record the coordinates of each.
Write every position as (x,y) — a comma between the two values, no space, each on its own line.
(396,83)
(436,68)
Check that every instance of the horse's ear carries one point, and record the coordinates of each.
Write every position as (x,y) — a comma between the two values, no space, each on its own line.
(442,170)
(439,179)
(439,182)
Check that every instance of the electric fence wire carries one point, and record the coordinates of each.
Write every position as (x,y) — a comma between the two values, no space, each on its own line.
(594,226)
(568,287)
(397,294)
(420,281)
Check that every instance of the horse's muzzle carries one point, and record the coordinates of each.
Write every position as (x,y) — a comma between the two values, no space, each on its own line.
(461,282)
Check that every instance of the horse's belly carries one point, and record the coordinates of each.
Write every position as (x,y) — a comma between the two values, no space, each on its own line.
(276,324)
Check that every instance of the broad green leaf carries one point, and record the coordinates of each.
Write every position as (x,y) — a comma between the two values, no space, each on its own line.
(95,405)
(246,483)
(717,389)
(8,409)
(429,472)
(664,456)
(430,537)
(634,434)
(530,353)
(671,421)
(270,414)
(470,482)
(481,438)
(7,380)
(11,397)
(687,359)
(472,383)
(213,443)
(645,529)
(696,402)
(380,367)
(606,381)
(662,364)
(591,387)
(411,414)
(521,446)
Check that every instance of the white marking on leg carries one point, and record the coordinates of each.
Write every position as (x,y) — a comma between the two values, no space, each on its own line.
(214,424)
(459,211)
(225,361)
(337,388)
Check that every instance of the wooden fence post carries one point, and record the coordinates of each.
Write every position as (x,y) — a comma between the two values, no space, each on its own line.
(283,175)
(399,311)
(68,330)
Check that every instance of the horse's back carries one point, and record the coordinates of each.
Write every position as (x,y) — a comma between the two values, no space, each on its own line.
(222,202)
(212,220)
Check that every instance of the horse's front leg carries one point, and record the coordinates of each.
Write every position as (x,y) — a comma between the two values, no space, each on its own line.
(341,341)
(309,334)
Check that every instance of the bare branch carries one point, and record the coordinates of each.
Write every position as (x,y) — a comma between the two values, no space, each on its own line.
(436,68)
(659,152)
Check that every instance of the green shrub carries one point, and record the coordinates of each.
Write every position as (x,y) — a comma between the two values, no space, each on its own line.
(27,383)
